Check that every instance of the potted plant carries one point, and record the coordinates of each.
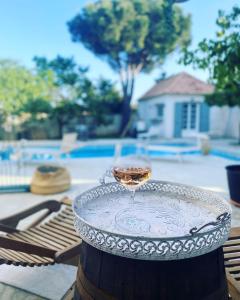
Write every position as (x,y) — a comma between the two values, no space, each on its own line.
(233,176)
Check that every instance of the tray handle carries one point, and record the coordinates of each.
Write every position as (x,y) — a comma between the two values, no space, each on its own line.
(107,173)
(221,219)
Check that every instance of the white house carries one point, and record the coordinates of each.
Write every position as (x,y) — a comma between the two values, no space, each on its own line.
(176,105)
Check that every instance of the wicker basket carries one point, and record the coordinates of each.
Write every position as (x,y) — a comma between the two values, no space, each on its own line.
(49,179)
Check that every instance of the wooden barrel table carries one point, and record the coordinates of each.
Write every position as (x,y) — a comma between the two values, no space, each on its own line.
(103,276)
(166,245)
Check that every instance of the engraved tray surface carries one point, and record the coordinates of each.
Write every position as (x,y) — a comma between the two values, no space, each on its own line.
(158,225)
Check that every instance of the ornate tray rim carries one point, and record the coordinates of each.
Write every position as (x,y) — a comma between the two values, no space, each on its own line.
(135,237)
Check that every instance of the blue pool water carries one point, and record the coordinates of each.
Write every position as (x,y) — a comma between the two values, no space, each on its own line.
(226,155)
(107,150)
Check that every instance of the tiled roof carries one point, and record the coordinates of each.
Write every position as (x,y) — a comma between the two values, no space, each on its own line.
(181,84)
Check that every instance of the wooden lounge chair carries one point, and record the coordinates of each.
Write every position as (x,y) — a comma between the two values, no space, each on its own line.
(232,263)
(173,150)
(50,239)
(38,154)
(153,132)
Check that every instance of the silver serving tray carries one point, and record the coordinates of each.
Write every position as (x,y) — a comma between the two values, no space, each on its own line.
(167,221)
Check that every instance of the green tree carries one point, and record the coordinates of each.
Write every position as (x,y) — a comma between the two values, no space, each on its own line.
(132,36)
(79,95)
(36,106)
(66,111)
(96,100)
(100,100)
(68,78)
(18,85)
(221,57)
(66,72)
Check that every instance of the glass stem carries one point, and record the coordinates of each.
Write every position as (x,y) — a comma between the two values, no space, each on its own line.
(132,196)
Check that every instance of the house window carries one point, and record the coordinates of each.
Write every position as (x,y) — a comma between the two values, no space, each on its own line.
(189,115)
(160,111)
(185,115)
(193,115)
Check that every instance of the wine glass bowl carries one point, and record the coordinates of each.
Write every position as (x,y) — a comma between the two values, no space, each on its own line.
(132,170)
(132,173)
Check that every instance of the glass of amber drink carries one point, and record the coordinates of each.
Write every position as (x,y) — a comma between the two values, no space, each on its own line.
(132,169)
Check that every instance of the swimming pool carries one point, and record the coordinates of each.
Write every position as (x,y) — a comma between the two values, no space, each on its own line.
(107,150)
(223,154)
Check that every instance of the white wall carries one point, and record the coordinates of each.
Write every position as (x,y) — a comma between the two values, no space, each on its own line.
(110,129)
(147,110)
(224,121)
(232,129)
(218,120)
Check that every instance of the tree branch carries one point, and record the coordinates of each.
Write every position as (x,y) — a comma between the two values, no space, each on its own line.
(131,82)
(131,88)
(138,69)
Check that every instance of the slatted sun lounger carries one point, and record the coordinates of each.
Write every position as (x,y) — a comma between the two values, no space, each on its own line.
(50,239)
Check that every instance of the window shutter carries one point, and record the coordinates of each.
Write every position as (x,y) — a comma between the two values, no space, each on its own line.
(204,117)
(178,120)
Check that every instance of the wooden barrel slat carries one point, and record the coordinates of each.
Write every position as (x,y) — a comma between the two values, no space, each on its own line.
(58,230)
(103,276)
(88,290)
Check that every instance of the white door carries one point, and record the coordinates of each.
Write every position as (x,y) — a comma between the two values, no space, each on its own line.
(190,119)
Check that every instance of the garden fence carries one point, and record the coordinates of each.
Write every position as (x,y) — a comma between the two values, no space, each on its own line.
(13,171)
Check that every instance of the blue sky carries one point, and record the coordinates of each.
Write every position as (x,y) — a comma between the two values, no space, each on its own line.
(38,27)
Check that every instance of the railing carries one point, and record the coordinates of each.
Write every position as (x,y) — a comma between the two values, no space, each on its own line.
(14,175)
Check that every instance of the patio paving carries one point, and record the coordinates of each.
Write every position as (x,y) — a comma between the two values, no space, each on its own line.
(202,171)
(8,292)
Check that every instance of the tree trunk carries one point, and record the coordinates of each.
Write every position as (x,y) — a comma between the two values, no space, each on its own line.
(60,127)
(127,82)
(126,113)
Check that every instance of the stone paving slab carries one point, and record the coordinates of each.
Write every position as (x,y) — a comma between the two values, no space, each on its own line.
(8,292)
(48,282)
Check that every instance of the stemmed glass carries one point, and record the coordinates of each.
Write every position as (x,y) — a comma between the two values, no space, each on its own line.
(132,169)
